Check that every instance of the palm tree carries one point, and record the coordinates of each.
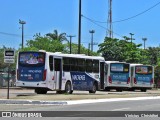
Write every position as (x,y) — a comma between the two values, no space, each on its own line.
(55,36)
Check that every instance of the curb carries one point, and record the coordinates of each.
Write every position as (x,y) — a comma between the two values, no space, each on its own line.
(30,102)
(27,102)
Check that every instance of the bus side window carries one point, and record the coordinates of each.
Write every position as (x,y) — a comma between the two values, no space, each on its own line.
(51,63)
(81,65)
(89,65)
(73,64)
(96,66)
(66,64)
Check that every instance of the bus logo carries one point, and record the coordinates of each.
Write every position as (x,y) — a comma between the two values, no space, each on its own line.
(78,77)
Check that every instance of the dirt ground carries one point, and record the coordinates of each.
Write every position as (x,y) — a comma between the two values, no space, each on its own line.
(29,94)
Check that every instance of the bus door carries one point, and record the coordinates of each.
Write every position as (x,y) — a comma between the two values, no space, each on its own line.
(101,75)
(58,72)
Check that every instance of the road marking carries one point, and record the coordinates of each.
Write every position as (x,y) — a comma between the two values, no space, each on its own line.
(73,102)
(120,109)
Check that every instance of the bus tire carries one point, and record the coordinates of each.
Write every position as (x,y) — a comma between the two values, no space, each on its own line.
(94,88)
(107,89)
(68,88)
(40,91)
(59,92)
(143,90)
(119,90)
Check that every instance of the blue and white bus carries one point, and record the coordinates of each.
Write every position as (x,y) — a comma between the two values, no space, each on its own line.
(117,75)
(142,77)
(44,71)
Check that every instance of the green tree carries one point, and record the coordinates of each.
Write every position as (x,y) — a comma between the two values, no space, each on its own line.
(109,49)
(56,36)
(120,50)
(44,43)
(153,54)
(75,49)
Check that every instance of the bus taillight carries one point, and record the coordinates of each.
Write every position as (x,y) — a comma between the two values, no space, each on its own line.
(110,79)
(128,81)
(135,81)
(151,82)
(17,74)
(44,74)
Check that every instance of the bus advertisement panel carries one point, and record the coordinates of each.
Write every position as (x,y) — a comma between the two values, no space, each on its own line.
(119,73)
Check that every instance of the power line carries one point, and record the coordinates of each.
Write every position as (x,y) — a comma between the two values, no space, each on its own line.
(15,35)
(91,20)
(138,13)
(100,25)
(10,34)
(128,17)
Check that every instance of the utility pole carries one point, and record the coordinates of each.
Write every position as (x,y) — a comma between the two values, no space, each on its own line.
(22,23)
(131,44)
(89,44)
(131,37)
(91,31)
(144,39)
(70,36)
(79,29)
(109,21)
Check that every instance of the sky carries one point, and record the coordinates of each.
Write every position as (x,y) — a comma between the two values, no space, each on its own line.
(45,16)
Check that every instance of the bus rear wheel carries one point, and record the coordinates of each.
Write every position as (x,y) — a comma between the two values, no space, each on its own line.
(40,91)
(68,88)
(94,88)
(143,90)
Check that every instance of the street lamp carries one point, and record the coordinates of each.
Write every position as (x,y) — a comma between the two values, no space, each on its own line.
(22,23)
(92,31)
(70,36)
(131,37)
(144,39)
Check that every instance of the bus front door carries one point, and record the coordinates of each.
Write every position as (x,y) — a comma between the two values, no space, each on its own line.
(58,72)
(102,75)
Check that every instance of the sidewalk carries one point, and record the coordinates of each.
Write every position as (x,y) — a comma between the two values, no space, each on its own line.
(27,96)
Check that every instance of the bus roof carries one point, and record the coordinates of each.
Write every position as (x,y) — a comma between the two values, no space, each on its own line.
(134,64)
(75,55)
(113,62)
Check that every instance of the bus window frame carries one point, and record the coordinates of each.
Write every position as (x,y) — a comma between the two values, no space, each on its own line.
(144,73)
(119,71)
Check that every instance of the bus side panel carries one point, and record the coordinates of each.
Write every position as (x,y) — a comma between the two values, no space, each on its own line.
(82,81)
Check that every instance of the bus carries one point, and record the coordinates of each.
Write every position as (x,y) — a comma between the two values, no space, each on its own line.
(117,75)
(47,71)
(142,77)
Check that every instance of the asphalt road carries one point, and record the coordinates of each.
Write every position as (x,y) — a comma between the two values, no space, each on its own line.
(125,106)
(132,105)
(94,109)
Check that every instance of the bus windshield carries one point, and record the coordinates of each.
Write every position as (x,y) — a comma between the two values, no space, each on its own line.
(119,67)
(31,58)
(143,70)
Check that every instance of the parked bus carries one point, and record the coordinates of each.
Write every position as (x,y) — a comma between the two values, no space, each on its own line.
(117,75)
(44,71)
(142,77)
